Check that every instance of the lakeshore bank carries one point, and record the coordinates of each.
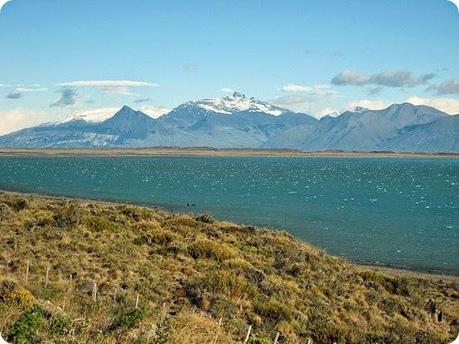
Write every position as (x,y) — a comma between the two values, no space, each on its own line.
(204,151)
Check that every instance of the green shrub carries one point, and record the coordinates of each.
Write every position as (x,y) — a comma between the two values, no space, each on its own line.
(67,216)
(25,329)
(60,326)
(100,224)
(128,320)
(260,340)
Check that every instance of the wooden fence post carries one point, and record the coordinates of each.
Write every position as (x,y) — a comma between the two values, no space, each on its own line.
(27,272)
(216,335)
(7,262)
(137,301)
(276,340)
(94,291)
(249,331)
(163,312)
(47,276)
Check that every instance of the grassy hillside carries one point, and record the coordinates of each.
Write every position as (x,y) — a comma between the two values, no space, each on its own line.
(195,280)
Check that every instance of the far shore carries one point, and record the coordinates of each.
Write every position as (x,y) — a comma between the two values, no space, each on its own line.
(204,151)
(390,269)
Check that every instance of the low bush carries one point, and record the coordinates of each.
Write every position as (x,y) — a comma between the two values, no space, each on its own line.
(26,328)
(205,248)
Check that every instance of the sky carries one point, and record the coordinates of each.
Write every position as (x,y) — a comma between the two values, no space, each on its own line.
(87,58)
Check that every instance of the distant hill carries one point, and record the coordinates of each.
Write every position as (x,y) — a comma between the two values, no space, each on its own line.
(240,122)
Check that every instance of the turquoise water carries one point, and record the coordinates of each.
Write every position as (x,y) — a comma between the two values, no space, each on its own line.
(401,212)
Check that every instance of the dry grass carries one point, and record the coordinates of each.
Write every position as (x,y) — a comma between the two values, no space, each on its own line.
(190,272)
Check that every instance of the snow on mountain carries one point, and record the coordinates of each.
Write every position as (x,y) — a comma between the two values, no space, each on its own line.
(237,103)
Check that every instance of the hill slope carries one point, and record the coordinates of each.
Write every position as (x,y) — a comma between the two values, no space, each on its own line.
(189,272)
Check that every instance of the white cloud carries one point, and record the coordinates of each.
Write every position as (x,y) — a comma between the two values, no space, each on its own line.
(15,119)
(2,3)
(320,90)
(448,105)
(326,111)
(115,87)
(154,111)
(93,115)
(294,88)
(377,104)
(388,78)
(107,83)
(226,90)
(31,89)
(455,2)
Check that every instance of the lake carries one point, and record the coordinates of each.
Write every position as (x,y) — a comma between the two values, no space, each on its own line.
(398,212)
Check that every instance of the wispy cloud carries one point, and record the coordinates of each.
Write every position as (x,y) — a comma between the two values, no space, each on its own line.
(108,83)
(142,100)
(319,90)
(397,78)
(448,87)
(68,98)
(31,89)
(226,90)
(115,87)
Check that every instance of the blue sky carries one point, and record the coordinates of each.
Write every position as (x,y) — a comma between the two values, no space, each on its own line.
(62,58)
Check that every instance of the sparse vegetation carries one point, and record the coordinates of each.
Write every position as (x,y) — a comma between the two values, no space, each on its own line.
(189,273)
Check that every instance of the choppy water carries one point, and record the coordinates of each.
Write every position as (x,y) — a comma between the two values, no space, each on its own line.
(402,212)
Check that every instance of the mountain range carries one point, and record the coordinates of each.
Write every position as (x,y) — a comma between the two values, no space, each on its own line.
(240,122)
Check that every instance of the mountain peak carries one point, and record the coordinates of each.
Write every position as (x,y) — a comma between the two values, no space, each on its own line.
(238,95)
(127,116)
(126,108)
(126,111)
(235,103)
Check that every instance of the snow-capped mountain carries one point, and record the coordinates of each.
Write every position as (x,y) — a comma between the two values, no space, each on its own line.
(240,122)
(237,103)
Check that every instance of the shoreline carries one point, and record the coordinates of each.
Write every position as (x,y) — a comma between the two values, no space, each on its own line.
(387,268)
(211,152)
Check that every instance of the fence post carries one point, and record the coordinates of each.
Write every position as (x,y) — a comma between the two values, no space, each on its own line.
(137,301)
(276,340)
(27,271)
(7,262)
(163,312)
(248,334)
(47,276)
(94,291)
(216,335)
